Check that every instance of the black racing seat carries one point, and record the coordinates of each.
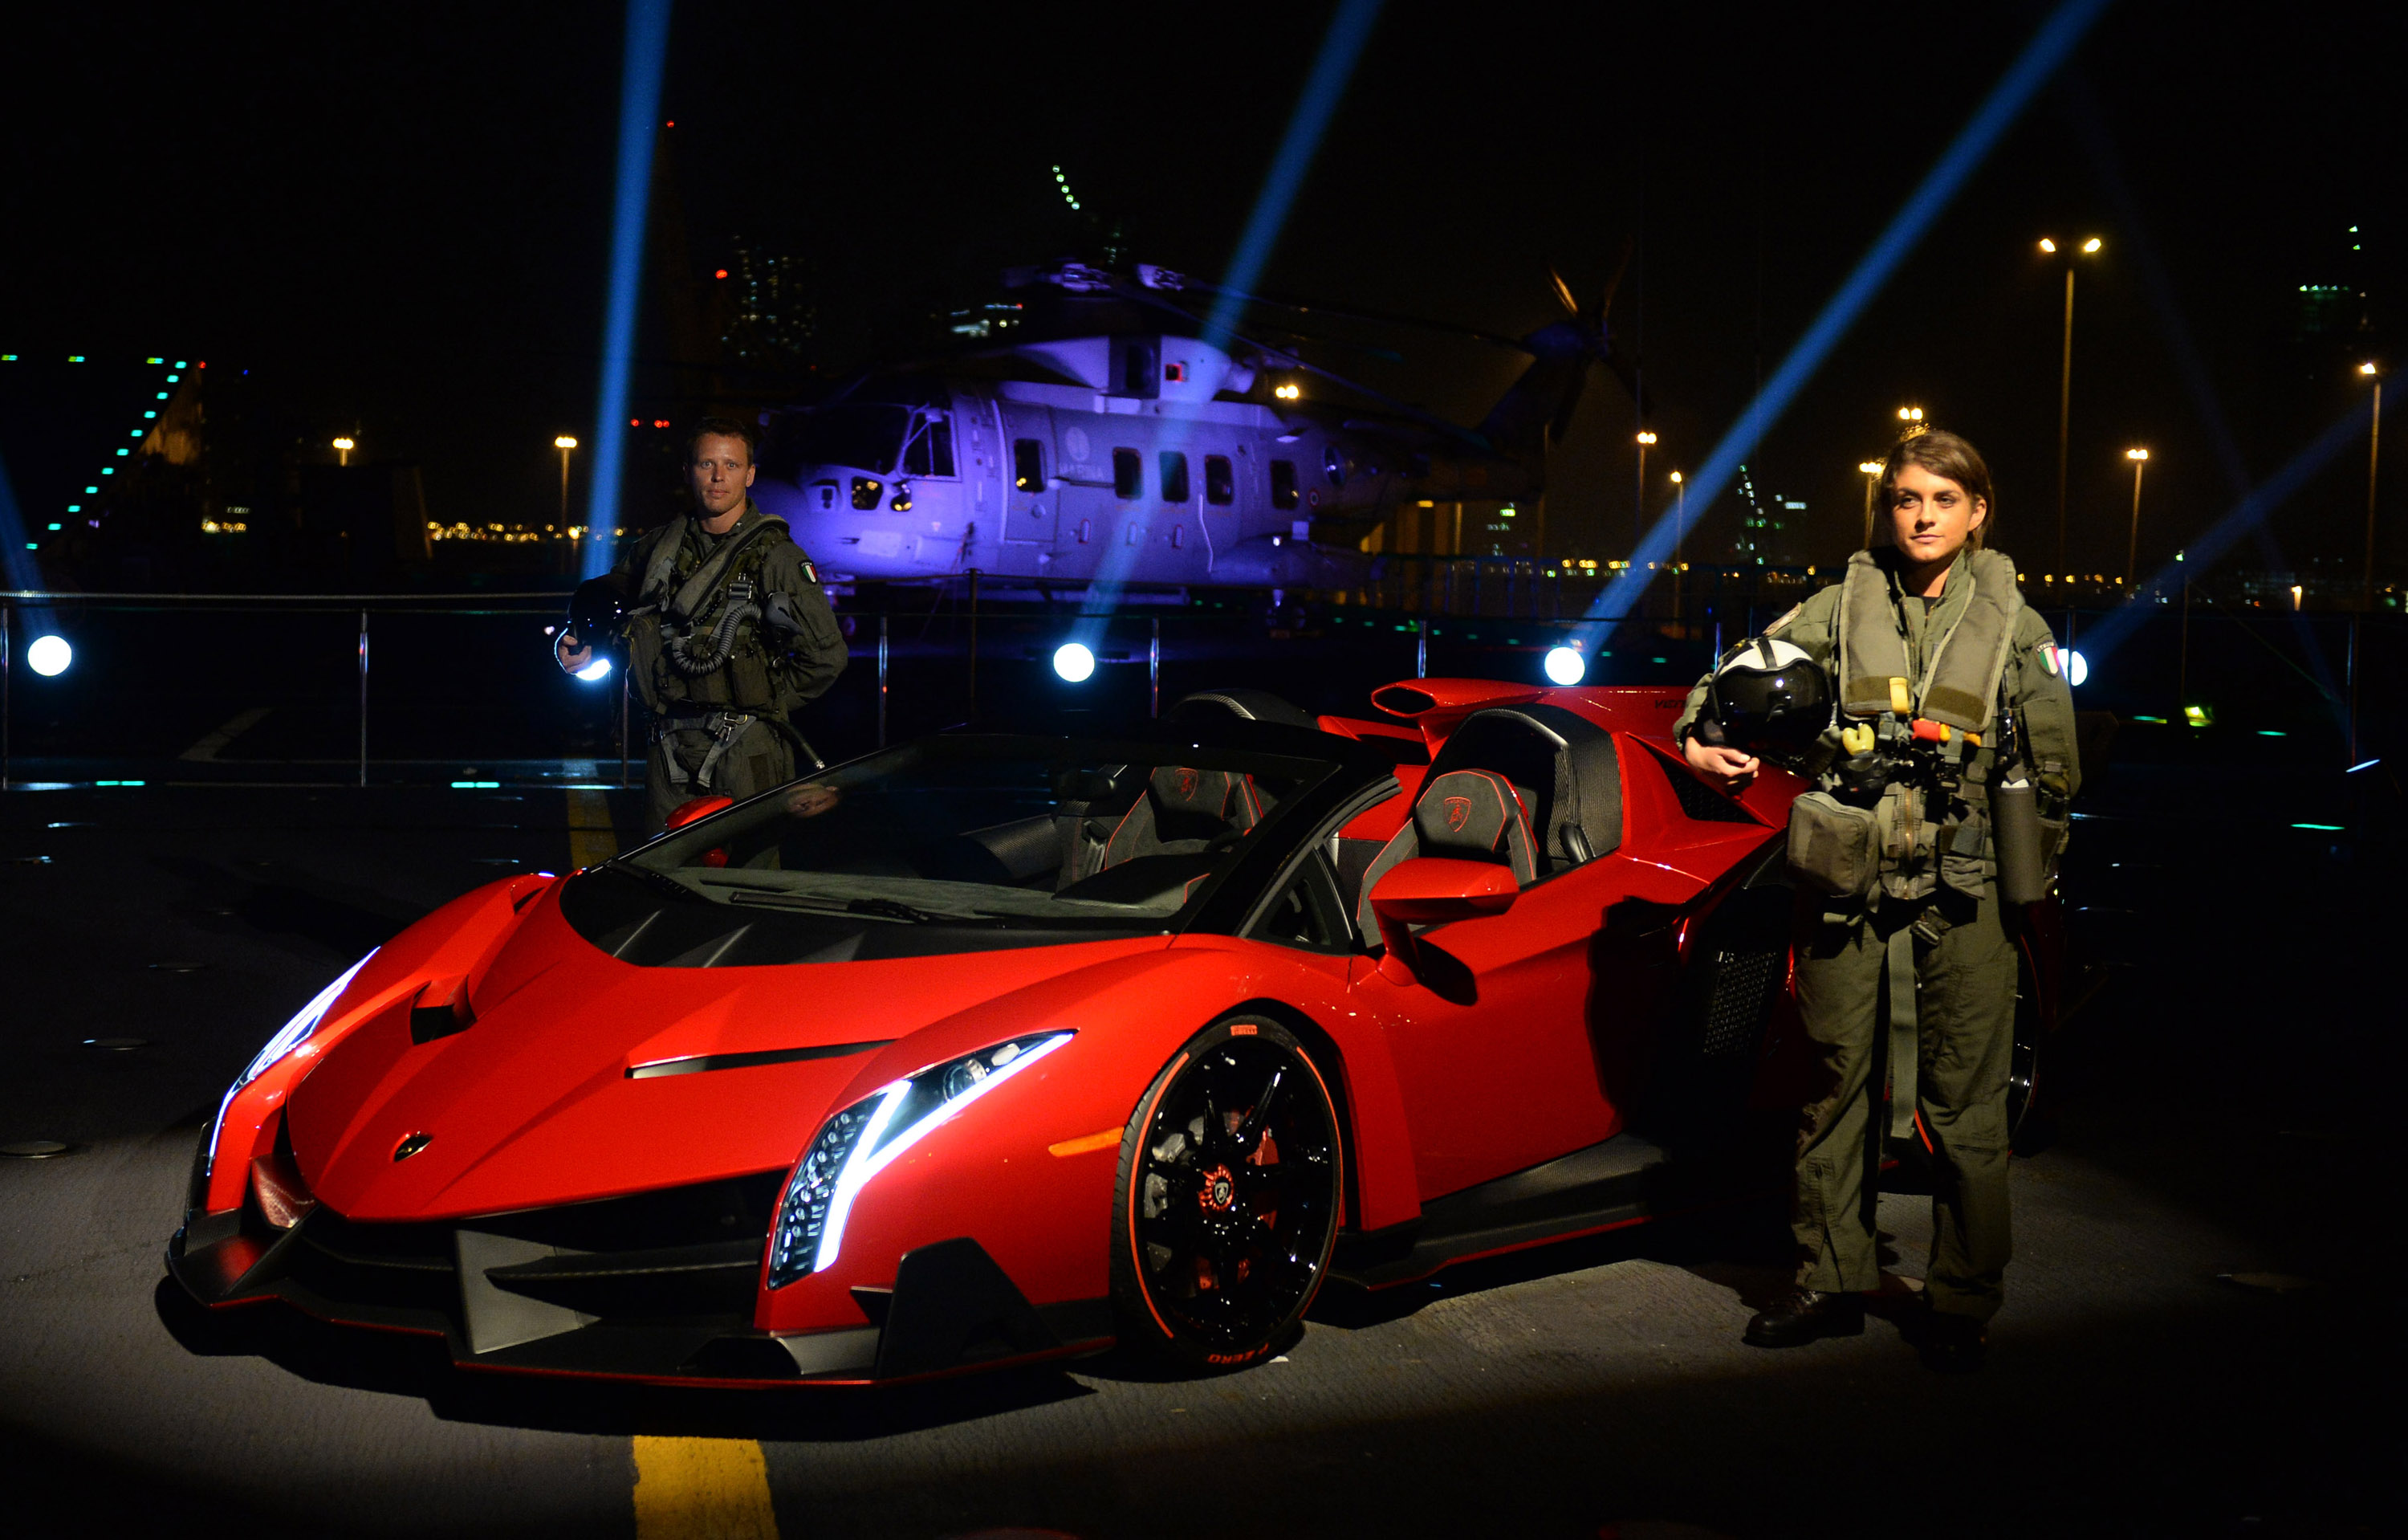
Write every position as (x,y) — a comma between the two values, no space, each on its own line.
(1183,810)
(1556,769)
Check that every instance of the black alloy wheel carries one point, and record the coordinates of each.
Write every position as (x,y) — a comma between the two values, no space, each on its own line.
(1226,1204)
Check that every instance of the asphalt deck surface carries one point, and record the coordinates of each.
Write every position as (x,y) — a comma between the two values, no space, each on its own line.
(2222,1104)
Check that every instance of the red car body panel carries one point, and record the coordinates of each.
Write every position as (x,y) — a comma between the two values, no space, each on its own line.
(1514,1040)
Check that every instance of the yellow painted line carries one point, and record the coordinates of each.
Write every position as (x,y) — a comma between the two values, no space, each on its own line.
(702,1489)
(686,1489)
(591,841)
(1100,1139)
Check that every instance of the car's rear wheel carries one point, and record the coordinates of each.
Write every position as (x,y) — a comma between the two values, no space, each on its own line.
(1227,1200)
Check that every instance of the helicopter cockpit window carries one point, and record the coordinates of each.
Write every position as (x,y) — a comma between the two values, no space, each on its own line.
(864,435)
(1174,476)
(1028,465)
(1335,465)
(1129,475)
(1220,487)
(930,452)
(1282,483)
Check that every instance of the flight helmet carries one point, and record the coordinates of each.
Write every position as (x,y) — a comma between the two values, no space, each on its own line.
(1769,697)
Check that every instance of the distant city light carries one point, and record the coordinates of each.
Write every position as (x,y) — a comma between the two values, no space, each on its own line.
(2092,245)
(2136,455)
(564,441)
(1288,392)
(598,670)
(49,655)
(1074,662)
(1565,665)
(2366,368)
(2047,245)
(1646,438)
(720,273)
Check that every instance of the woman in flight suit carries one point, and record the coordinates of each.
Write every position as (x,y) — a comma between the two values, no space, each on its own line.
(1929,620)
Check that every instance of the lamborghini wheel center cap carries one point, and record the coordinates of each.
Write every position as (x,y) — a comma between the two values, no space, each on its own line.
(1220,1190)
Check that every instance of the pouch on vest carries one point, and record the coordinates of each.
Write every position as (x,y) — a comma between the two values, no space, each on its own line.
(1834,848)
(1962,866)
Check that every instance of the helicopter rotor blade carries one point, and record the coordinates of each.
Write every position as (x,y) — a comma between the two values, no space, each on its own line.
(1290,360)
(1447,328)
(1564,293)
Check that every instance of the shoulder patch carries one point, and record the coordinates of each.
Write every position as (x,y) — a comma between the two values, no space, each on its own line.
(810,573)
(2047,650)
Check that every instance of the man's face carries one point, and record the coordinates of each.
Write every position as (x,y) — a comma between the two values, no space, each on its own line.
(1930,516)
(720,474)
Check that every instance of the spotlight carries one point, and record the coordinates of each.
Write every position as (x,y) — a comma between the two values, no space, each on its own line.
(48,656)
(598,670)
(1074,662)
(1565,665)
(2077,668)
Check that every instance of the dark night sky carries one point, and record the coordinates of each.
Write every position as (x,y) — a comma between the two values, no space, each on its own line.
(400,212)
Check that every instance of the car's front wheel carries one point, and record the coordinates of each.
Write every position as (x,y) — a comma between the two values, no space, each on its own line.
(1227,1200)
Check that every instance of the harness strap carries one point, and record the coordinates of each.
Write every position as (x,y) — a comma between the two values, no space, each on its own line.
(697,590)
(1905,1034)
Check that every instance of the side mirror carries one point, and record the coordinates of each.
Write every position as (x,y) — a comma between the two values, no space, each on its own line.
(1432,889)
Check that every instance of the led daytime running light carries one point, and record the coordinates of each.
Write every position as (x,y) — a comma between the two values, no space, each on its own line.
(289,1037)
(855,1145)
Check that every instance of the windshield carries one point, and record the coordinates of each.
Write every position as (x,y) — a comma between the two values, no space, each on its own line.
(993,830)
(864,435)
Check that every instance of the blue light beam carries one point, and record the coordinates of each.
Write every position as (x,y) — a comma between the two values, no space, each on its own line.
(2245,517)
(639,110)
(2040,60)
(1340,48)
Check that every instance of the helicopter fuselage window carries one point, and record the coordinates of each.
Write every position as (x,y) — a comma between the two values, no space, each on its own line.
(1282,483)
(931,450)
(865,435)
(1220,487)
(1334,466)
(1027,465)
(1129,475)
(1174,476)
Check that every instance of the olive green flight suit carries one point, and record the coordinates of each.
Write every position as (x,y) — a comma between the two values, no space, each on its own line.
(1964,967)
(727,730)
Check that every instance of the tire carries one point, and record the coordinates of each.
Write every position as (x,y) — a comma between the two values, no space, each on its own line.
(1226,1204)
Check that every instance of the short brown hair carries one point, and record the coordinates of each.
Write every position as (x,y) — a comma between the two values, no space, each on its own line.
(723,428)
(1944,454)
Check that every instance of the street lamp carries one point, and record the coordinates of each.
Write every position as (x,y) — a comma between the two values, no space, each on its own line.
(2065,384)
(1679,528)
(2140,458)
(2373,462)
(343,447)
(1871,470)
(565,444)
(1639,514)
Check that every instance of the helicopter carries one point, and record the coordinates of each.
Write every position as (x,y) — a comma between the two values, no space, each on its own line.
(1108,435)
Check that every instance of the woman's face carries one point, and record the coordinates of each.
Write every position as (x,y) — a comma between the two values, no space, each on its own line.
(1931,517)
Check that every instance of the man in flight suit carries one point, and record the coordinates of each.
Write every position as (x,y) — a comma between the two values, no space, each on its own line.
(729,635)
(1927,624)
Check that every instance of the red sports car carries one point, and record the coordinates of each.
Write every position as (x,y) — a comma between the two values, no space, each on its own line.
(993,1047)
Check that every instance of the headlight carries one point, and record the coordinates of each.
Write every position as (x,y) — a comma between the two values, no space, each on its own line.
(293,1033)
(863,1139)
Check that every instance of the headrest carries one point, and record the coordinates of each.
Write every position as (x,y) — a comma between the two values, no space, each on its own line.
(1469,813)
(1218,794)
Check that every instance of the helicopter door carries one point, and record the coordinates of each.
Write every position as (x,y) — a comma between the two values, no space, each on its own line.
(1031,500)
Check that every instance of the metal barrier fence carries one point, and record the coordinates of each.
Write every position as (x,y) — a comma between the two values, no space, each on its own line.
(331,690)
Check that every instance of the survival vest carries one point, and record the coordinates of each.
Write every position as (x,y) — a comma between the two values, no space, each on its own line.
(1959,683)
(695,635)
